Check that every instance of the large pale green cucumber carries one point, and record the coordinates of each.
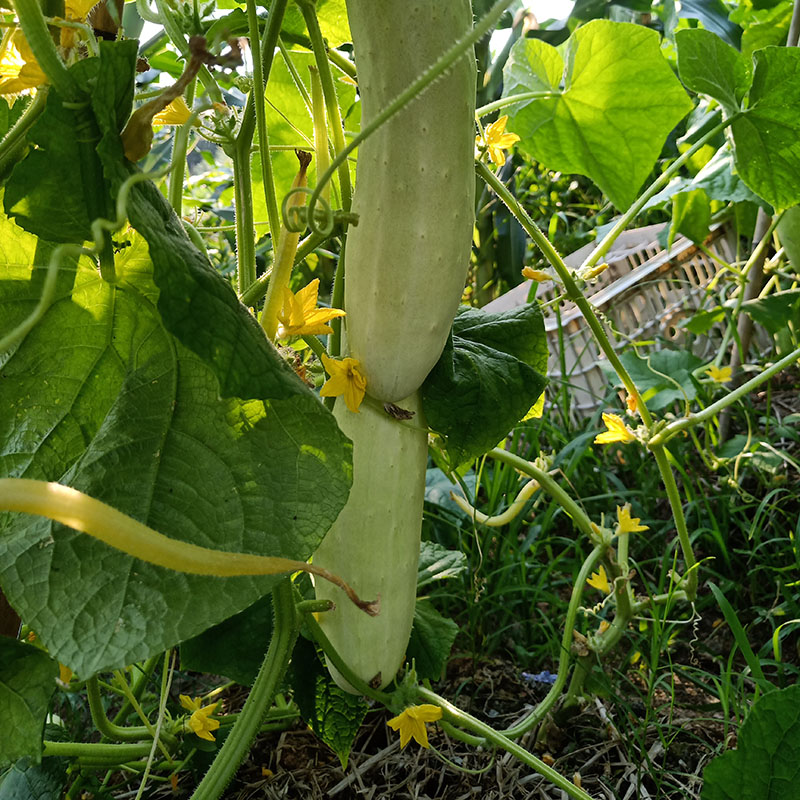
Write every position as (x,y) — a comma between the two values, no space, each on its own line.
(374,543)
(407,259)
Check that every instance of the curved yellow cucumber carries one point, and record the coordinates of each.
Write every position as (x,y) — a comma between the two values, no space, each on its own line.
(374,543)
(408,257)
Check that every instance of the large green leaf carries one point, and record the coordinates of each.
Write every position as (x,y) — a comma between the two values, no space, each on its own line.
(776,311)
(27,682)
(488,376)
(27,780)
(332,17)
(432,638)
(767,134)
(616,100)
(764,765)
(708,65)
(102,397)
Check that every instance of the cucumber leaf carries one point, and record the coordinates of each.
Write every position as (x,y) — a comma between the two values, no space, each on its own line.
(764,764)
(333,714)
(27,682)
(437,563)
(776,311)
(102,397)
(614,101)
(27,780)
(488,376)
(432,638)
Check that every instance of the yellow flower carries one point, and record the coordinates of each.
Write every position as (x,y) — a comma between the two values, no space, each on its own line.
(617,431)
(632,403)
(626,523)
(199,722)
(77,11)
(411,723)
(176,113)
(300,315)
(719,374)
(64,673)
(496,140)
(345,378)
(599,580)
(18,68)
(535,274)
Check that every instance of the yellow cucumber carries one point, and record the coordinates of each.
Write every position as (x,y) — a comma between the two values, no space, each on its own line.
(374,543)
(407,260)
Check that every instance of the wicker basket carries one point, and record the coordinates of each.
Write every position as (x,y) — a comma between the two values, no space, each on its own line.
(642,296)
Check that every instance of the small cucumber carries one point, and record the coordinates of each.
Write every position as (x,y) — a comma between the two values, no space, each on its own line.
(407,260)
(374,543)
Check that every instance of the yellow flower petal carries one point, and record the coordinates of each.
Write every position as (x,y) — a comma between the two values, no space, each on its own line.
(411,723)
(18,68)
(497,140)
(719,374)
(176,113)
(626,523)
(299,315)
(345,379)
(535,274)
(599,580)
(617,431)
(188,703)
(200,722)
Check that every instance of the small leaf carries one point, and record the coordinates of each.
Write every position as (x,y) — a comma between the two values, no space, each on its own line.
(333,714)
(432,638)
(615,101)
(764,764)
(708,65)
(691,216)
(767,134)
(775,311)
(488,376)
(27,682)
(437,563)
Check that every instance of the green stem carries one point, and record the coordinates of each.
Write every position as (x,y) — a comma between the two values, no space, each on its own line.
(245,228)
(457,51)
(674,428)
(266,684)
(337,301)
(272,32)
(110,754)
(655,187)
(316,346)
(139,684)
(549,485)
(267,177)
(455,716)
(180,146)
(104,724)
(676,506)
(570,286)
(37,35)
(320,49)
(13,142)
(564,657)
(321,145)
(511,99)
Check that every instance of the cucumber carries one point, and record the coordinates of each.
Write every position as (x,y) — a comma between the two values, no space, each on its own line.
(407,260)
(374,542)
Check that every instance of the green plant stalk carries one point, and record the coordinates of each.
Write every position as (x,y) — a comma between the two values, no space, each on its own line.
(320,49)
(541,710)
(13,142)
(104,725)
(180,145)
(37,35)
(337,301)
(511,99)
(267,683)
(655,187)
(480,30)
(320,128)
(138,687)
(245,227)
(256,291)
(315,345)
(455,716)
(570,286)
(674,428)
(267,177)
(269,42)
(108,754)
(322,640)
(549,485)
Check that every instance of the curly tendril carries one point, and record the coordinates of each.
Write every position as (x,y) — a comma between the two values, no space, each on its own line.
(295,217)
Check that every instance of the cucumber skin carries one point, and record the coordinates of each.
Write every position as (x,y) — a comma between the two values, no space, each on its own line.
(407,260)
(374,542)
